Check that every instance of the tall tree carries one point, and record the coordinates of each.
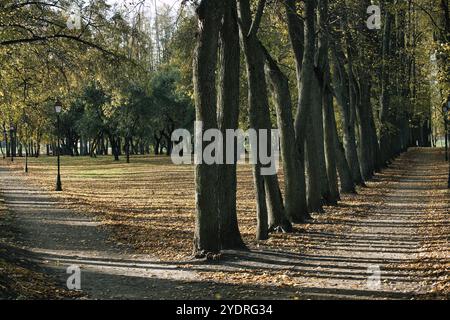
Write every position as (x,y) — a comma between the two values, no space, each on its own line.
(294,175)
(385,108)
(209,15)
(330,191)
(228,118)
(267,189)
(304,53)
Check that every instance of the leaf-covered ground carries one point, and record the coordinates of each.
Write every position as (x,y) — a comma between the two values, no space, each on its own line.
(399,223)
(19,277)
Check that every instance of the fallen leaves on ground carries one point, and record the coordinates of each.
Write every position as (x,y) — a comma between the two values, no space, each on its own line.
(150,205)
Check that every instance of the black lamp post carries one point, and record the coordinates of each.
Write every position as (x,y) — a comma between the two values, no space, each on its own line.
(26,146)
(58,108)
(11,137)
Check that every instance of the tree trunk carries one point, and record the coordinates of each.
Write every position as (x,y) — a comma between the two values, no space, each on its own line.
(294,172)
(342,89)
(207,232)
(305,81)
(260,118)
(366,146)
(322,77)
(115,147)
(228,118)
(157,144)
(330,145)
(313,177)
(127,149)
(385,112)
(345,176)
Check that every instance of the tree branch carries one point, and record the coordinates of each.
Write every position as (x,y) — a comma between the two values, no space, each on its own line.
(257,20)
(56,36)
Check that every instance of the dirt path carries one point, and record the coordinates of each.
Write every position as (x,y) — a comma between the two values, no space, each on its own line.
(392,240)
(337,265)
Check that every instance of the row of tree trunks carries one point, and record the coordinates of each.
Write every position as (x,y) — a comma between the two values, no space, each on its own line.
(85,147)
(270,202)
(320,165)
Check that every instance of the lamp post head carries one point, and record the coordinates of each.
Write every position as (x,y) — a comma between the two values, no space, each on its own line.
(58,106)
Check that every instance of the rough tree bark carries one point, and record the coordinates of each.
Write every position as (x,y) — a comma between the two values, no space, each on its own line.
(347,184)
(342,88)
(296,29)
(366,144)
(260,119)
(307,108)
(294,175)
(206,234)
(228,118)
(330,144)
(385,112)
(326,150)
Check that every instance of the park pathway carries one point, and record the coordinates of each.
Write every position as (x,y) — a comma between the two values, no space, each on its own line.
(337,265)
(391,242)
(58,238)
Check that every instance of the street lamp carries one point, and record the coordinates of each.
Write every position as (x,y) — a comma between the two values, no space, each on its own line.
(26,143)
(11,137)
(58,108)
